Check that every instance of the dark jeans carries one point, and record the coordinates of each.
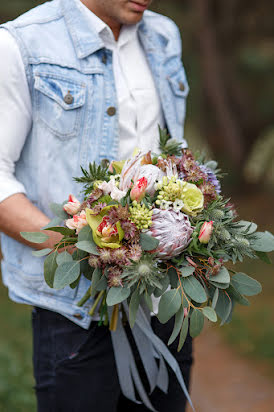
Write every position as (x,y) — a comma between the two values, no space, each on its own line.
(75,368)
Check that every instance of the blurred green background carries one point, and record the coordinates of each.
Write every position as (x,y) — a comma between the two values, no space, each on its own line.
(228,53)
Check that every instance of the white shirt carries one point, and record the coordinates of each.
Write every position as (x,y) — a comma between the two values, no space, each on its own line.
(139,111)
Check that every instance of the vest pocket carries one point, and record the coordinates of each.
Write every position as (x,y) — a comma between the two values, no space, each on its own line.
(59,103)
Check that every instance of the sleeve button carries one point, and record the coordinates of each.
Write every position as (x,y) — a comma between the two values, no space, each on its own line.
(182,86)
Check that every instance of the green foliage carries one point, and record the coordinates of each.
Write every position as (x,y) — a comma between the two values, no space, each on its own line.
(167,145)
(245,285)
(58,211)
(179,318)
(117,295)
(170,303)
(193,288)
(87,246)
(34,237)
(93,174)
(41,253)
(196,323)
(147,242)
(66,274)
(50,266)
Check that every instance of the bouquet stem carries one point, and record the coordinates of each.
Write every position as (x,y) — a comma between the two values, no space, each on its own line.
(97,300)
(114,318)
(85,298)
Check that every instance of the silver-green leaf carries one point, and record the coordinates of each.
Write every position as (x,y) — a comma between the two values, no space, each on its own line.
(117,295)
(169,304)
(194,289)
(66,274)
(34,237)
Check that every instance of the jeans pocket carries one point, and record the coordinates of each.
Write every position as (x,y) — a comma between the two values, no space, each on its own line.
(69,339)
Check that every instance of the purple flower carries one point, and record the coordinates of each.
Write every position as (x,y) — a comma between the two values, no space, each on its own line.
(211,178)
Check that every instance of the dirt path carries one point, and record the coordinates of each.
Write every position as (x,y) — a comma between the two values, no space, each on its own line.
(224,382)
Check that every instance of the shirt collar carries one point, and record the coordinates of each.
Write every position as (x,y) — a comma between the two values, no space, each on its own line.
(128,32)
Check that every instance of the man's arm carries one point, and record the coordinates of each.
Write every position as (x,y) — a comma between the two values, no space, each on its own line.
(17,213)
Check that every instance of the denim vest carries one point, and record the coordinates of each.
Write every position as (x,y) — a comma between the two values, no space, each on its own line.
(62,55)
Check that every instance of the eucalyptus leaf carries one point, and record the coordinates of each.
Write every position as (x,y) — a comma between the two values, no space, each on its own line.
(87,246)
(210,313)
(187,271)
(183,334)
(133,307)
(220,285)
(237,296)
(65,231)
(102,284)
(196,323)
(262,242)
(173,277)
(66,274)
(247,227)
(194,289)
(117,295)
(215,298)
(34,237)
(42,252)
(246,285)
(223,306)
(96,277)
(179,318)
(169,304)
(58,210)
(148,243)
(222,276)
(63,257)
(148,301)
(264,257)
(54,222)
(85,234)
(50,266)
(75,283)
(165,283)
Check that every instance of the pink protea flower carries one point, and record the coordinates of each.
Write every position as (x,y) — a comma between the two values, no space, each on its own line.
(77,222)
(173,230)
(114,277)
(206,232)
(138,190)
(72,207)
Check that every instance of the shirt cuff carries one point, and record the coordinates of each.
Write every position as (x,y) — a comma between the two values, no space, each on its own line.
(10,186)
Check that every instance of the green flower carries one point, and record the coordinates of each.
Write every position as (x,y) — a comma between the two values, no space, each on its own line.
(104,233)
(193,199)
(140,215)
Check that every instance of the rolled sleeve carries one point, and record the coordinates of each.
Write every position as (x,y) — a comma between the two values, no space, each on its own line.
(15,113)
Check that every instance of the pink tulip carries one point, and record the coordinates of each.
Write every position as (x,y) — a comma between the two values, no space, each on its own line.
(77,222)
(73,205)
(138,190)
(206,232)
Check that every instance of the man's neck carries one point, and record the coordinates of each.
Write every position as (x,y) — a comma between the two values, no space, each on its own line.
(93,6)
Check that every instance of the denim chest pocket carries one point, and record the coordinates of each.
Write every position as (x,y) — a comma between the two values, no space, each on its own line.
(180,90)
(60,104)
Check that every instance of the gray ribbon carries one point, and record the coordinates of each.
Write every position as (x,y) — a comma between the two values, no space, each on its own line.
(150,347)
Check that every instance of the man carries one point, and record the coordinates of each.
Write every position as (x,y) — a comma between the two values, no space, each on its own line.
(79,82)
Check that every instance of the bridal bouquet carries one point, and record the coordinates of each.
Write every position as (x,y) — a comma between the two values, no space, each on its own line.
(155,226)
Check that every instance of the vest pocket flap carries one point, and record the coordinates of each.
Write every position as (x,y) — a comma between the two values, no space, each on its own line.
(68,94)
(179,83)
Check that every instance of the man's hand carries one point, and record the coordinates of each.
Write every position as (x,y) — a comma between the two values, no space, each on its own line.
(18,214)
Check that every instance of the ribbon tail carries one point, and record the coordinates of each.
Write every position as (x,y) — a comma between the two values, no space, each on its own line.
(126,367)
(161,348)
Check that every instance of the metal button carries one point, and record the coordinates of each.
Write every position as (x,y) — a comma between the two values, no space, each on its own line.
(104,59)
(111,111)
(78,316)
(68,99)
(182,86)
